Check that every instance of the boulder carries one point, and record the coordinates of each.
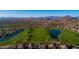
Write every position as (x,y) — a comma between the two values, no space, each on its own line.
(30,46)
(62,47)
(19,46)
(34,45)
(41,46)
(50,46)
(25,46)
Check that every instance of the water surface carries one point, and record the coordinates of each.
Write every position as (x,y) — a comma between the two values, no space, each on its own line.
(10,36)
(54,33)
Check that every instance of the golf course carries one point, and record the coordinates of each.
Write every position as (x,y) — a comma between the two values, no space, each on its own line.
(42,35)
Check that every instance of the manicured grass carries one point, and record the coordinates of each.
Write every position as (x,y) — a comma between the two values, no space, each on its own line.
(40,35)
(69,37)
(21,37)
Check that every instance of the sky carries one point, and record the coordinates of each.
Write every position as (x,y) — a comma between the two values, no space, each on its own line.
(37,13)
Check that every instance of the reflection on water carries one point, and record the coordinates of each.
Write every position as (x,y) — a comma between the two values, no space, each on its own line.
(10,36)
(54,33)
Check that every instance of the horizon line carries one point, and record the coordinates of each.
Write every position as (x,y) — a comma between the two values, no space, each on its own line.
(35,16)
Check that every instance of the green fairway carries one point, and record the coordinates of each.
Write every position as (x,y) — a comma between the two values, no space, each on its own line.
(69,37)
(41,35)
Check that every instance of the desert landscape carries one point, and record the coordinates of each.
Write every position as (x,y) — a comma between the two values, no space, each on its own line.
(50,32)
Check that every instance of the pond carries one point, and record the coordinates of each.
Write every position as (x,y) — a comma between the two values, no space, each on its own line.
(54,33)
(10,36)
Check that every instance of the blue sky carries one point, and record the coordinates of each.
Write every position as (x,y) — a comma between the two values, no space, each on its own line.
(37,13)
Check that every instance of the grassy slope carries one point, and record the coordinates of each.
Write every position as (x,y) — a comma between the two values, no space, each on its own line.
(40,35)
(19,38)
(69,37)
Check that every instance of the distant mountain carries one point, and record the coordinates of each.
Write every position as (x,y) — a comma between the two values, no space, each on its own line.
(6,19)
